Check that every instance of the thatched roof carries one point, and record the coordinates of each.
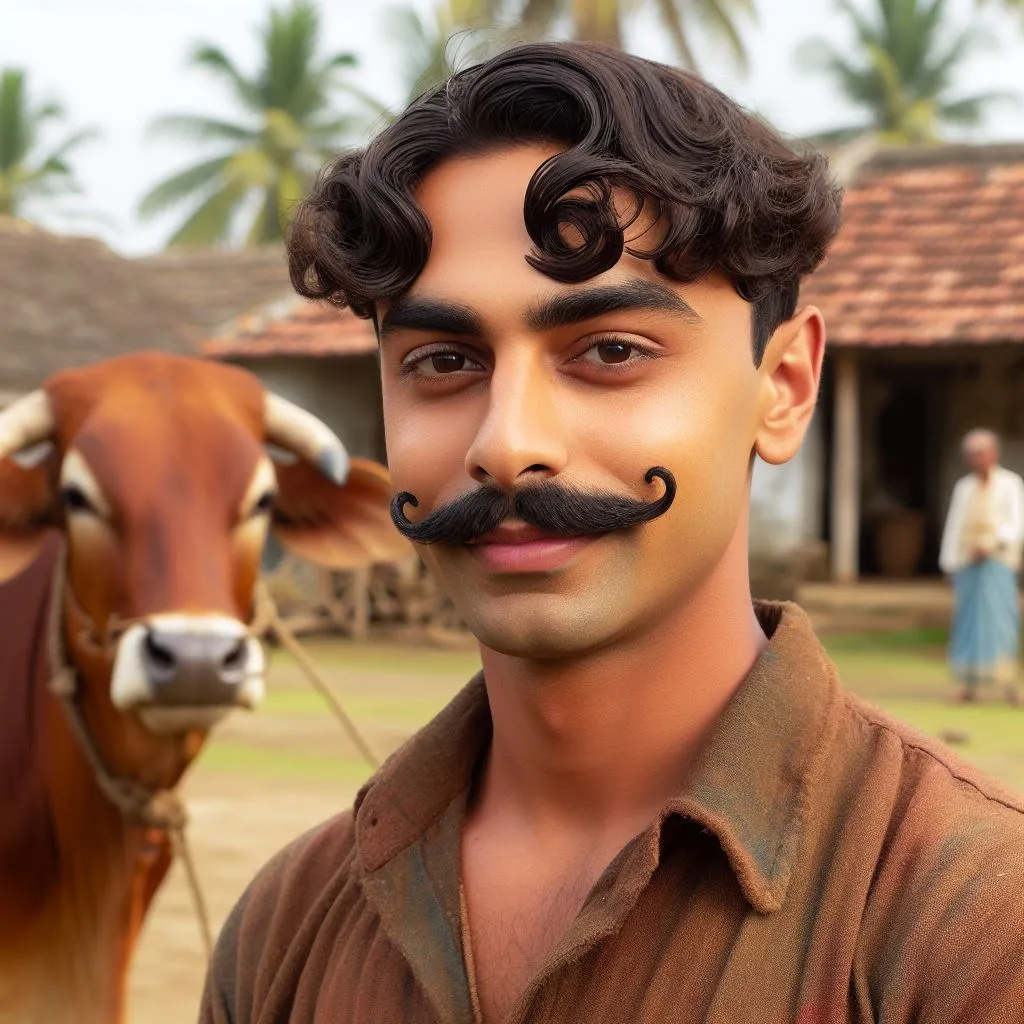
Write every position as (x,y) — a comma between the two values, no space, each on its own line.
(68,301)
(217,285)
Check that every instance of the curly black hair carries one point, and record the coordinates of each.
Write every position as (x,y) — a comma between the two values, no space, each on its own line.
(731,194)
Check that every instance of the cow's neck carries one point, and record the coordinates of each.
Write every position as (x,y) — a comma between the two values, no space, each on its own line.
(75,936)
(74,962)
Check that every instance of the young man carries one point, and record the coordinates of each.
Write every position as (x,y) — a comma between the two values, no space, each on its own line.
(656,803)
(981,551)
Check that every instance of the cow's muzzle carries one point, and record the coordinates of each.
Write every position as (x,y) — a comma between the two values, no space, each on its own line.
(186,671)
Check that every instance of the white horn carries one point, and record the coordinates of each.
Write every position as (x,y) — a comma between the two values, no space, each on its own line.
(25,423)
(290,427)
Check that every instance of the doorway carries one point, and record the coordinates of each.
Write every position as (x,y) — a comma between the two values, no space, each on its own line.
(901,525)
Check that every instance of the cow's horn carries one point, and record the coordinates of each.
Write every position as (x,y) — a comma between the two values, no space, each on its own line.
(298,431)
(26,422)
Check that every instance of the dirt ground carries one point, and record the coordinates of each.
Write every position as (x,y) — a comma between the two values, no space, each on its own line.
(267,778)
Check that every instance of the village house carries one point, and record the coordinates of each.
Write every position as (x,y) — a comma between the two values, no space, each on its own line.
(923,295)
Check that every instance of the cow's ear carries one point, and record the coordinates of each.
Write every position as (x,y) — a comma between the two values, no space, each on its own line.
(338,527)
(28,492)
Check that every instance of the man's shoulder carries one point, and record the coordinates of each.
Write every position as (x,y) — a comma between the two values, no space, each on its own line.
(307,863)
(945,881)
(945,818)
(291,893)
(930,766)
(1010,476)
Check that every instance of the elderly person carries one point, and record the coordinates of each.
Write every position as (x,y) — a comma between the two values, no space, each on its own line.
(981,551)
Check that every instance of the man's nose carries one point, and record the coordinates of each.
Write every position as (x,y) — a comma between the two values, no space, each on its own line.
(522,432)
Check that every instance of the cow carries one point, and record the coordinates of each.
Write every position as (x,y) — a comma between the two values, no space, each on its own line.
(136,497)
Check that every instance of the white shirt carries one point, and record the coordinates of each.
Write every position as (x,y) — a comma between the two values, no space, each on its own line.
(1006,504)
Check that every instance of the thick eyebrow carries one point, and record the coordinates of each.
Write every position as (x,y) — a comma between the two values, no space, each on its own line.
(575,307)
(424,314)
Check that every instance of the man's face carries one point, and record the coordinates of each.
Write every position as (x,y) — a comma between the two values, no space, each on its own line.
(981,455)
(495,374)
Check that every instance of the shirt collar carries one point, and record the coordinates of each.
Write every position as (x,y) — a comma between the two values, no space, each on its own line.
(751,785)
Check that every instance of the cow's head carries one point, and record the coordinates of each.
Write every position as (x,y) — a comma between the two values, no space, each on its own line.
(166,474)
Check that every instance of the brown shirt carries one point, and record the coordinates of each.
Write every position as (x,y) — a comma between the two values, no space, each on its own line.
(822,863)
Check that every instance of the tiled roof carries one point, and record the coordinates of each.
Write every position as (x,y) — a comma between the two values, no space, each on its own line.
(294,327)
(931,251)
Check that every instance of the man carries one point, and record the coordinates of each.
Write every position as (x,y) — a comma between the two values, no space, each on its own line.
(981,551)
(655,803)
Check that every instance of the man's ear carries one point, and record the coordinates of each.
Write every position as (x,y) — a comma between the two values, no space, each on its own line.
(791,375)
(337,527)
(27,511)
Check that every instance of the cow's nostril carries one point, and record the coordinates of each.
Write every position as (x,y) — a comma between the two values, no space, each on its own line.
(159,656)
(235,658)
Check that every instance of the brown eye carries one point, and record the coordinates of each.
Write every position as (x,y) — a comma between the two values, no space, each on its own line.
(75,500)
(265,505)
(614,352)
(448,362)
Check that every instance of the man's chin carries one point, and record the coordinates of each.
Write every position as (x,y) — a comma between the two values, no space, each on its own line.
(542,631)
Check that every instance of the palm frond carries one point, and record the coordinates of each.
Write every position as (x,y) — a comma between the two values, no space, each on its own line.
(14,117)
(672,21)
(196,128)
(211,222)
(538,16)
(970,111)
(215,60)
(182,186)
(74,141)
(720,20)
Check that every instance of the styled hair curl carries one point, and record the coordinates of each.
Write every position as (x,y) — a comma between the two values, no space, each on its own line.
(731,195)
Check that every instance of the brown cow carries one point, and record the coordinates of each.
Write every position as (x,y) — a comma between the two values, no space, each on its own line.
(135,500)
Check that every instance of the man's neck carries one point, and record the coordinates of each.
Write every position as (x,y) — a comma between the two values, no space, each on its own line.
(601,741)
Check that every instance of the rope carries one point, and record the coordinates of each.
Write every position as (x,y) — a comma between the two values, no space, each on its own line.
(179,841)
(268,618)
(164,810)
(138,805)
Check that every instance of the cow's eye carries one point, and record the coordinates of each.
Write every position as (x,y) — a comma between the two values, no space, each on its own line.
(265,505)
(76,500)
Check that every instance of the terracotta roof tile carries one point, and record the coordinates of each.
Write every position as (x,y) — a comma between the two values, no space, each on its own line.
(930,252)
(294,327)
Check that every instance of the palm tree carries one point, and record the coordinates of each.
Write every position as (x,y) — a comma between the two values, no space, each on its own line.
(27,172)
(432,48)
(604,20)
(267,160)
(1014,6)
(904,71)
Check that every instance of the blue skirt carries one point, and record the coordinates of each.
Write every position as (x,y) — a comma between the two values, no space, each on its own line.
(985,640)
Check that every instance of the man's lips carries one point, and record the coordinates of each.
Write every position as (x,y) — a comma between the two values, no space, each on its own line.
(517,547)
(518,533)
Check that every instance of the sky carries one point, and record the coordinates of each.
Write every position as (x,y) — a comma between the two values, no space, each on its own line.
(117,64)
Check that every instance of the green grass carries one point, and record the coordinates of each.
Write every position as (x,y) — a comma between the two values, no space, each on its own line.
(913,640)
(389,658)
(359,707)
(281,763)
(904,673)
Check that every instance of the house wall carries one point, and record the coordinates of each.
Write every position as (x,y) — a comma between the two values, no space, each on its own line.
(785,501)
(343,392)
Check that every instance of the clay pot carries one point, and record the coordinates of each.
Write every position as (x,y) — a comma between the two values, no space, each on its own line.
(899,542)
